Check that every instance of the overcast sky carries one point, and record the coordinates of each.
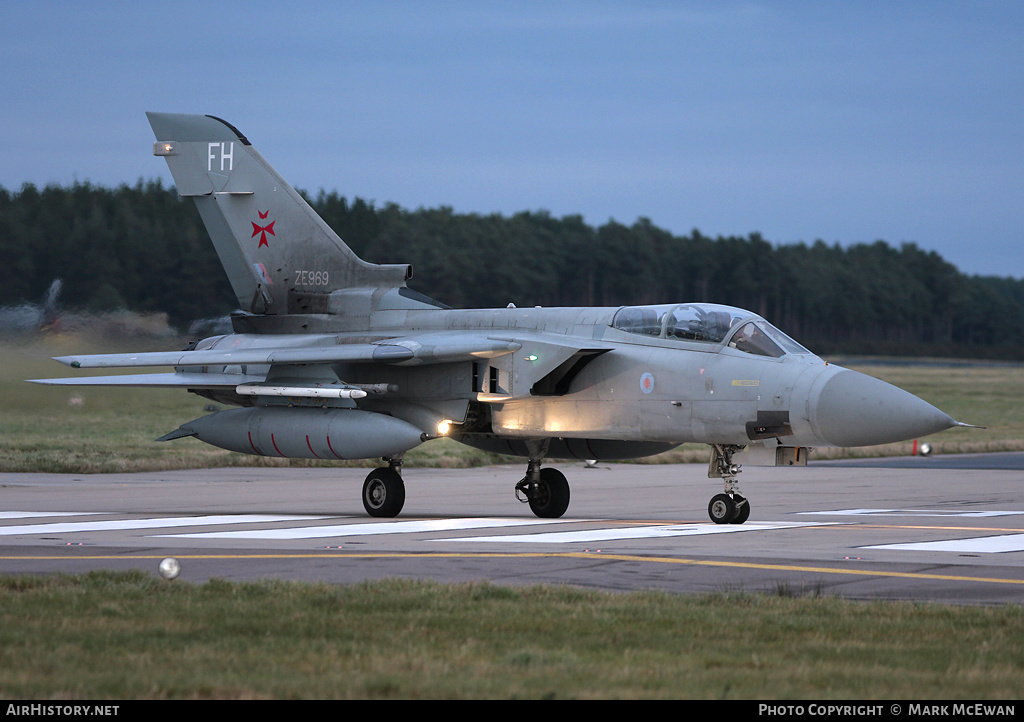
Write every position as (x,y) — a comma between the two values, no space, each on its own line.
(842,121)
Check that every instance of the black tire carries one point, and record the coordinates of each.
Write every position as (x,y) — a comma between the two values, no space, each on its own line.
(722,509)
(550,498)
(742,509)
(383,493)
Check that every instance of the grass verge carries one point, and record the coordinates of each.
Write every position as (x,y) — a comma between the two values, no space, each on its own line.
(134,636)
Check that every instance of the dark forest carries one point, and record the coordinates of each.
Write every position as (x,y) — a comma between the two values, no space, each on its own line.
(142,248)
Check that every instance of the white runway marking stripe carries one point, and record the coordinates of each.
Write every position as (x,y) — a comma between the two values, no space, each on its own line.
(636,532)
(978,545)
(75,527)
(384,527)
(913,512)
(37,514)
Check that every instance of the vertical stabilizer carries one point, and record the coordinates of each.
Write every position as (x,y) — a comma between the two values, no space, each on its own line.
(272,244)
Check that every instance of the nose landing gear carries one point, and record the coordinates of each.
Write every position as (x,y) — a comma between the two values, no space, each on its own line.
(729,507)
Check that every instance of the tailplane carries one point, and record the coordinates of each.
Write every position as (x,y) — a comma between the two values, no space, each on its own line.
(279,255)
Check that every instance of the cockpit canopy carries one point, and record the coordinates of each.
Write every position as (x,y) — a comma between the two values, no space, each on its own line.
(708,323)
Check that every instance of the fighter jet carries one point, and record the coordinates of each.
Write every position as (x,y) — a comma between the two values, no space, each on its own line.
(332,357)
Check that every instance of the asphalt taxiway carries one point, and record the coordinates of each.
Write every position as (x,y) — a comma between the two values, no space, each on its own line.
(942,528)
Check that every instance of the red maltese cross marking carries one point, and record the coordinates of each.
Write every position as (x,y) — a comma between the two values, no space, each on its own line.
(263,230)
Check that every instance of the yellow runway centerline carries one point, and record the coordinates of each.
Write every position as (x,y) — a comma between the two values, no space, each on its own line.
(537,555)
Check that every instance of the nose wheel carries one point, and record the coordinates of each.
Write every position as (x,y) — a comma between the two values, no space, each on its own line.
(728,509)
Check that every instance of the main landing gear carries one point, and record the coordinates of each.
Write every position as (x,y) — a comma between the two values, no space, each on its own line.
(384,490)
(546,490)
(730,507)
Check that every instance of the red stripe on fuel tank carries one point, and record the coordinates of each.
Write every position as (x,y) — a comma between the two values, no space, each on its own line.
(332,449)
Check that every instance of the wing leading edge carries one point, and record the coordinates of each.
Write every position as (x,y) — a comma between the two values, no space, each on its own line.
(409,350)
(164,380)
(404,351)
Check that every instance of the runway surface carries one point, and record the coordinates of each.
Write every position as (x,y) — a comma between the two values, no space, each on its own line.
(942,528)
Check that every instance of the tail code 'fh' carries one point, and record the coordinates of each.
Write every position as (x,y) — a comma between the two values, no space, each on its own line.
(279,255)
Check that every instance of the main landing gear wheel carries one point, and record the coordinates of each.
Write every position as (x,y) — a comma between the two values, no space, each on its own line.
(383,493)
(548,495)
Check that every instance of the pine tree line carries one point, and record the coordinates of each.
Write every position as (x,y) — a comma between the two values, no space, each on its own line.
(141,247)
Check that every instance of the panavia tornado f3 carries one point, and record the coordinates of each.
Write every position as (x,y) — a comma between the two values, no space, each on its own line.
(336,358)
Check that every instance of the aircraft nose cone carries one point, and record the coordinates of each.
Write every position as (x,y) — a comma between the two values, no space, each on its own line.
(858,410)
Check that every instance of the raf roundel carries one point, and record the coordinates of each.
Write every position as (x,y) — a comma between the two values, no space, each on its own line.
(647,383)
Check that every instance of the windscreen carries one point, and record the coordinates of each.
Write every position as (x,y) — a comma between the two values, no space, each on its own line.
(762,339)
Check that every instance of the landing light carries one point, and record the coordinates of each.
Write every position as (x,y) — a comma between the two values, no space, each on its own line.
(444,427)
